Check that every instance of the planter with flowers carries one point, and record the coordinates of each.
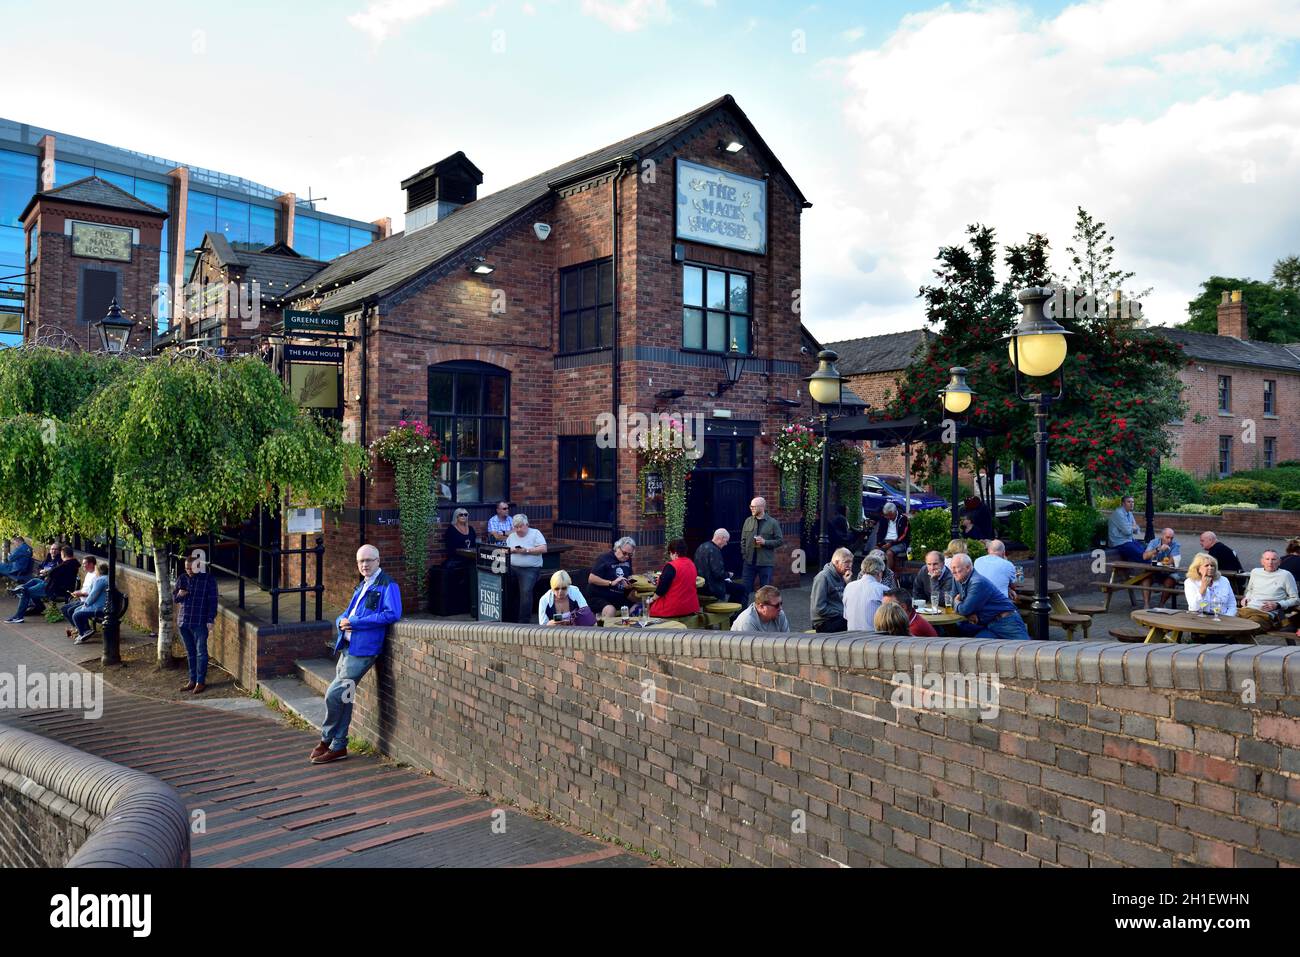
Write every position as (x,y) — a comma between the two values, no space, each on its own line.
(797,456)
(415,455)
(663,449)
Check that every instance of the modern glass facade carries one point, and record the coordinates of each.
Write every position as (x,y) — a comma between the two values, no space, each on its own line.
(243,211)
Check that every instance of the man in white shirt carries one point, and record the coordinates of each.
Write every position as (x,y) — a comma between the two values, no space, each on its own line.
(863,597)
(526,546)
(1271,592)
(995,567)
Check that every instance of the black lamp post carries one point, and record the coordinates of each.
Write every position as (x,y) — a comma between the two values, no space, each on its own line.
(824,386)
(733,364)
(956,397)
(1037,349)
(114,333)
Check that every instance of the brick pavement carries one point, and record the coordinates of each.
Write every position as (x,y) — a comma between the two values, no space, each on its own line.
(264,805)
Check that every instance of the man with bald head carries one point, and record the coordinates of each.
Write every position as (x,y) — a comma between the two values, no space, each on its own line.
(760,537)
(995,567)
(359,638)
(1225,556)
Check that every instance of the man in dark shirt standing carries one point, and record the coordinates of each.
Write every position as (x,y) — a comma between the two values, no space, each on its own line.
(608,580)
(710,566)
(1225,556)
(196,593)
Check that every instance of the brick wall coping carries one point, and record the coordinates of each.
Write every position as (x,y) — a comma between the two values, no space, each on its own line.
(134,819)
(1209,667)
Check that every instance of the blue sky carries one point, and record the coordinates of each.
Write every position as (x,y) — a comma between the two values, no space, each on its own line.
(1176,122)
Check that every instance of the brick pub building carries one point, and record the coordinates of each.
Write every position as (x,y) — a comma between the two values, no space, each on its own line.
(618,281)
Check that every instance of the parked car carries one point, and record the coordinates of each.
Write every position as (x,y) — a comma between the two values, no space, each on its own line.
(1014,503)
(879,489)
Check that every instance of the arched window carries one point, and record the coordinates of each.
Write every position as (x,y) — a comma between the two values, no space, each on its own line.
(468,414)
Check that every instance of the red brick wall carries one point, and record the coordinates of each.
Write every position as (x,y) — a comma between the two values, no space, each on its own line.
(1197,444)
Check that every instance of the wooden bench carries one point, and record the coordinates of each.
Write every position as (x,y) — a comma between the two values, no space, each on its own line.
(1109,588)
(1071,622)
(1130,633)
(1288,636)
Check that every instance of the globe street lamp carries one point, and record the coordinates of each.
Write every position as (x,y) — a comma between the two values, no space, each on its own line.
(956,397)
(1037,350)
(825,387)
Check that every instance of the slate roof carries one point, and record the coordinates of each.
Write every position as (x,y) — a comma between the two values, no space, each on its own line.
(94,191)
(1227,350)
(885,353)
(384,266)
(276,268)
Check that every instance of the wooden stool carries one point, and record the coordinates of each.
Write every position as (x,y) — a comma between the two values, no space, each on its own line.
(717,614)
(1080,609)
(1128,633)
(1071,622)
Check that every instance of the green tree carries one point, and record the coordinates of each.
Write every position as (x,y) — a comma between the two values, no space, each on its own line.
(1286,273)
(168,448)
(1093,260)
(1272,311)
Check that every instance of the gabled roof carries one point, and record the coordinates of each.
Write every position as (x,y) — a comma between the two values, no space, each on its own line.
(890,352)
(384,266)
(93,191)
(1229,350)
(277,268)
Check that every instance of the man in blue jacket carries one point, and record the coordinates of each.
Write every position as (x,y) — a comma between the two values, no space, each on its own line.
(988,610)
(19,566)
(360,631)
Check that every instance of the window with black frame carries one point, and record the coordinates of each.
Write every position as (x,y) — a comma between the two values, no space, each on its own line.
(717,309)
(587,306)
(586,481)
(468,415)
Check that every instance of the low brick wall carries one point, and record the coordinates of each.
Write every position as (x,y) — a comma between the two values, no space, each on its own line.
(1275,523)
(60,807)
(720,749)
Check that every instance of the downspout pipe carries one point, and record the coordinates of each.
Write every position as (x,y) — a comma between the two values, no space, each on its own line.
(615,394)
(363,515)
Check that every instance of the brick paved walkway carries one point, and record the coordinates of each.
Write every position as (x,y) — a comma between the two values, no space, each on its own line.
(265,805)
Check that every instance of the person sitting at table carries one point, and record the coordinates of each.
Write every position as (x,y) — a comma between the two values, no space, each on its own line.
(956,546)
(500,525)
(1168,553)
(527,546)
(893,535)
(676,594)
(826,602)
(976,519)
(863,597)
(988,610)
(1122,531)
(459,536)
(995,567)
(1291,560)
(929,586)
(890,619)
(610,577)
(764,614)
(1270,593)
(917,626)
(1205,588)
(19,565)
(1225,556)
(563,604)
(710,564)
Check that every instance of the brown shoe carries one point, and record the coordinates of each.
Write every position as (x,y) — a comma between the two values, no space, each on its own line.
(329,756)
(188,687)
(200,688)
(320,749)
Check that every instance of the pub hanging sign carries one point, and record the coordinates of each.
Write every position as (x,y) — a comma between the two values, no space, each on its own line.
(721,208)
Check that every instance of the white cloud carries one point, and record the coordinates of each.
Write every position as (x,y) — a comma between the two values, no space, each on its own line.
(628,15)
(854,34)
(990,114)
(381,19)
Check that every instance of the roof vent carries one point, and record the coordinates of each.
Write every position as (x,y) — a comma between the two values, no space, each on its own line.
(436,191)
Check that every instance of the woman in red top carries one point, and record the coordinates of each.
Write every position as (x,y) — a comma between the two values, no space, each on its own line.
(676,594)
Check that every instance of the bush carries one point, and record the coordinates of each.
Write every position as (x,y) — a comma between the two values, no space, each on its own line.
(1242,490)
(1173,487)
(1080,527)
(1215,509)
(1071,481)
(931,531)
(1291,500)
(1058,544)
(1289,464)
(1287,479)
(1054,487)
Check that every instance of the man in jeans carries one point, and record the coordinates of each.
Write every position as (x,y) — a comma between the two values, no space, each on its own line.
(361,630)
(1123,533)
(760,537)
(988,610)
(196,593)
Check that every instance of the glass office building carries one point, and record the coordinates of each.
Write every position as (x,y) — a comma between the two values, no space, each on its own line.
(247,213)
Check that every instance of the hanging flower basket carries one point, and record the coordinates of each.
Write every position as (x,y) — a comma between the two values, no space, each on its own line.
(415,455)
(846,473)
(798,459)
(663,450)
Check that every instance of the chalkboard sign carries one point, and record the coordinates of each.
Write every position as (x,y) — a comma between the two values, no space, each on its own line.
(654,493)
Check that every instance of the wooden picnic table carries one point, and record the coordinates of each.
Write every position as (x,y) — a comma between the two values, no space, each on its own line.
(643,584)
(1025,591)
(635,622)
(1138,574)
(1176,626)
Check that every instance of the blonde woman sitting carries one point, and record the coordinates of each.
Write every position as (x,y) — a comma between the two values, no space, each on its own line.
(956,546)
(564,604)
(1205,588)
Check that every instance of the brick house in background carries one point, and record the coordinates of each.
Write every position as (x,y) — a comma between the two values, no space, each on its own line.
(1232,383)
(619,279)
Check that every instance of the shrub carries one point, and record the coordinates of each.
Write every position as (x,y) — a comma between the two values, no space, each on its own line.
(1287,479)
(1080,527)
(1058,544)
(1291,500)
(1071,481)
(931,531)
(1173,487)
(1017,487)
(1289,464)
(1242,490)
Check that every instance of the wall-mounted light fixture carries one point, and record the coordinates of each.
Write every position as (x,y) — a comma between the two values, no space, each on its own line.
(730,146)
(481,267)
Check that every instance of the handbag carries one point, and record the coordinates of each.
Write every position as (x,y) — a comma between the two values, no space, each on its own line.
(584,616)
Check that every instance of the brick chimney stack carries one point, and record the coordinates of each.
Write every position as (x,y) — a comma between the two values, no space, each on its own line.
(1232,315)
